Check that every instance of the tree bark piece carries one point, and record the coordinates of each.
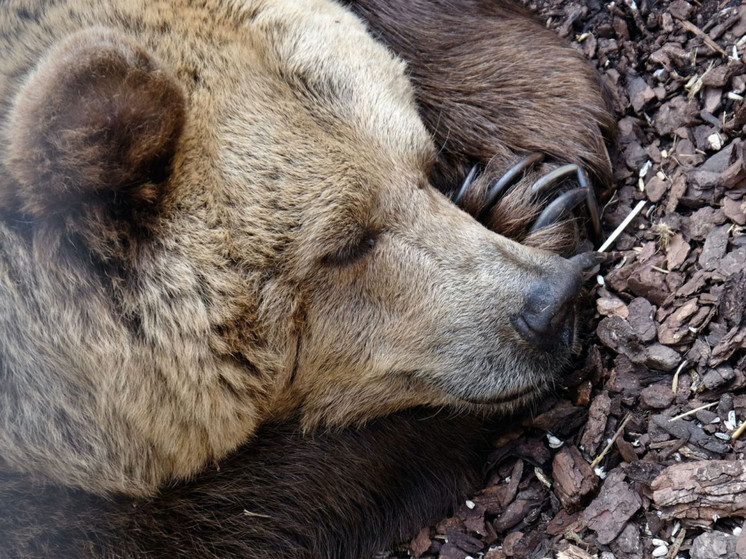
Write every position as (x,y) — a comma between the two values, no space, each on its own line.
(713,545)
(573,477)
(697,491)
(598,414)
(617,502)
(573,552)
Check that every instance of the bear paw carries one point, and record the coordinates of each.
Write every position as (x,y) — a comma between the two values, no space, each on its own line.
(533,202)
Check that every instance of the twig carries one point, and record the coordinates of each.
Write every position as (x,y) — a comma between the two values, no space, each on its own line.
(675,383)
(542,477)
(622,226)
(606,449)
(254,514)
(704,36)
(690,412)
(738,432)
(676,545)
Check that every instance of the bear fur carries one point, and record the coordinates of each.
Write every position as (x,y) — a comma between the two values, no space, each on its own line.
(220,222)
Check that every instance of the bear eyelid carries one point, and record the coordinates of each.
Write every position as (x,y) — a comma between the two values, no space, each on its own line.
(352,252)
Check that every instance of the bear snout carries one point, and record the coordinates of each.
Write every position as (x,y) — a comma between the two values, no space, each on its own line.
(547,319)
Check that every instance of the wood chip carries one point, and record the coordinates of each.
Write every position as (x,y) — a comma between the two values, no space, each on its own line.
(608,514)
(573,477)
(701,491)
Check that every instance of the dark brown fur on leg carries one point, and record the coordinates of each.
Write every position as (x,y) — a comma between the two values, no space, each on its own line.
(340,495)
(491,81)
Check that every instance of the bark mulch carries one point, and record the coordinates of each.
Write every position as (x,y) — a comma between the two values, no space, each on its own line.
(640,454)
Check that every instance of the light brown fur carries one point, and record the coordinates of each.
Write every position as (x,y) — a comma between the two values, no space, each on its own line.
(271,247)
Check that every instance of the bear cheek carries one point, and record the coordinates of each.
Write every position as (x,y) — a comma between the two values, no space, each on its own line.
(96,123)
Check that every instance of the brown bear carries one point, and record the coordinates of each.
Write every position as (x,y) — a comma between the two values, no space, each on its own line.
(221,223)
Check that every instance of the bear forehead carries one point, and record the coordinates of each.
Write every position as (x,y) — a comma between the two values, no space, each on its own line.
(316,81)
(312,112)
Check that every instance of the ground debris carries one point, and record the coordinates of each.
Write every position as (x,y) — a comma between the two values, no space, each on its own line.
(573,552)
(616,503)
(597,417)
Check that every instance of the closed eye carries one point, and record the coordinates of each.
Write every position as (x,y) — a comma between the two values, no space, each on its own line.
(352,252)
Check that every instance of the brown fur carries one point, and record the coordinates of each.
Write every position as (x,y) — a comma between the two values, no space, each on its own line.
(261,243)
(340,495)
(474,64)
(484,61)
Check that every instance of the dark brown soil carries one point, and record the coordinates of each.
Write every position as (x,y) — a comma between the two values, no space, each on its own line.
(611,467)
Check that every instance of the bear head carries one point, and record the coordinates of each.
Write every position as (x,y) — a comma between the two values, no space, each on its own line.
(216,217)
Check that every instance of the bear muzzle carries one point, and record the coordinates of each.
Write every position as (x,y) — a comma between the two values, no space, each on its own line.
(547,320)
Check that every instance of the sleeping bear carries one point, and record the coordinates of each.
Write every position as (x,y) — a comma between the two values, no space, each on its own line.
(234,292)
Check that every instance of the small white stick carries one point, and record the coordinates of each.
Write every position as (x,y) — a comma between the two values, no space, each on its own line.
(618,231)
(675,384)
(606,449)
(738,432)
(691,412)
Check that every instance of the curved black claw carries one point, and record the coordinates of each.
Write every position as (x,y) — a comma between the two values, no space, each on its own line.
(466,184)
(559,207)
(508,179)
(546,182)
(594,210)
(554,211)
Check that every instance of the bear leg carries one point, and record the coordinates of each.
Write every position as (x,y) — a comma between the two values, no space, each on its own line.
(336,495)
(491,81)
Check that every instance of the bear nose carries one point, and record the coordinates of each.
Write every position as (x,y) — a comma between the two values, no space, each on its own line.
(547,318)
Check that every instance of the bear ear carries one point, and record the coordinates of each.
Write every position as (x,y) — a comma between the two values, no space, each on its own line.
(97,122)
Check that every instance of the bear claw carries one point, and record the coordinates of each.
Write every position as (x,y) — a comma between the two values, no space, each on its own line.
(557,209)
(510,177)
(466,184)
(554,211)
